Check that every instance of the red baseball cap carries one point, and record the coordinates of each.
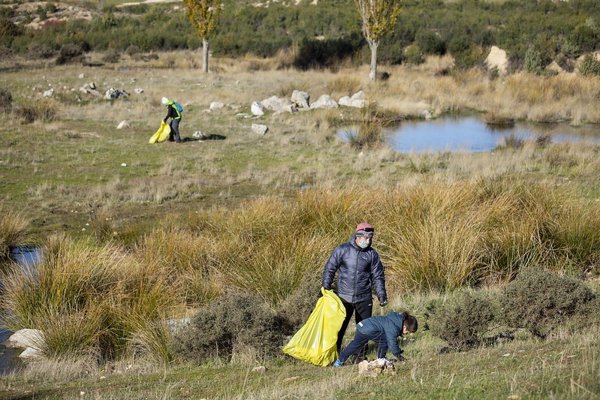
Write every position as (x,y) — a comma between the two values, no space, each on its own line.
(365,226)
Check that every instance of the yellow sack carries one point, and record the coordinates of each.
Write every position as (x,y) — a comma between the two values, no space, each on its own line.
(316,341)
(161,134)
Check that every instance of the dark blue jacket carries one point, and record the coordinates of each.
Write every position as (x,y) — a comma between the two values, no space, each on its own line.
(389,325)
(359,270)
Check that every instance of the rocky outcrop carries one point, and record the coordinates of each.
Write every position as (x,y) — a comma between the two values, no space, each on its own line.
(497,59)
(357,100)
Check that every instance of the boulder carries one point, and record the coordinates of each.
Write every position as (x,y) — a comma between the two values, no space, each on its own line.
(257,109)
(113,93)
(259,129)
(31,353)
(357,100)
(325,101)
(278,104)
(90,88)
(300,99)
(25,338)
(216,106)
(497,59)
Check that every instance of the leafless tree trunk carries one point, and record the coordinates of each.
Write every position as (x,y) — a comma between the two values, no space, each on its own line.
(373,70)
(205,55)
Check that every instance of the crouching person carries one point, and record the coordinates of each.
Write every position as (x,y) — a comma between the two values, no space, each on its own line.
(382,330)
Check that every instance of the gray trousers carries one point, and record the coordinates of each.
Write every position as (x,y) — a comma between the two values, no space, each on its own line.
(174,135)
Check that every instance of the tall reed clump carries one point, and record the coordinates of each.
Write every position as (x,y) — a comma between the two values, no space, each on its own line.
(263,250)
(13,231)
(181,258)
(432,236)
(371,128)
(444,236)
(86,300)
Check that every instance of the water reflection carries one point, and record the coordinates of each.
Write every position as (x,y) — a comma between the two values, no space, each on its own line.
(470,134)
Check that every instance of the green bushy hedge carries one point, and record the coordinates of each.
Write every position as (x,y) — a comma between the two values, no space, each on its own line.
(327,31)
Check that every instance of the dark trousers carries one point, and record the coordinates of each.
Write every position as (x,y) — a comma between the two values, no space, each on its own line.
(174,135)
(361,341)
(361,310)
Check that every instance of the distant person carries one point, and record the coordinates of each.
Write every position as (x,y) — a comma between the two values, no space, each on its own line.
(382,330)
(359,271)
(174,111)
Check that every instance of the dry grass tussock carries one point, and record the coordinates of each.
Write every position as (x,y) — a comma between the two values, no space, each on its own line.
(13,231)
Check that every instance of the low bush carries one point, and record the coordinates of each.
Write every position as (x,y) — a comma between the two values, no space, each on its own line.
(463,321)
(236,326)
(590,66)
(298,306)
(69,53)
(6,100)
(38,110)
(540,301)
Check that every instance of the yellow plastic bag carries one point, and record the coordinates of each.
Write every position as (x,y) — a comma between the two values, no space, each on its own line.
(161,134)
(316,341)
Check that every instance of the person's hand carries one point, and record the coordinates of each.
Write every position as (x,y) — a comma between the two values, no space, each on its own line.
(383,303)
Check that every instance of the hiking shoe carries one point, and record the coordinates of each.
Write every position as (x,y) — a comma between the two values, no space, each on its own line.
(337,364)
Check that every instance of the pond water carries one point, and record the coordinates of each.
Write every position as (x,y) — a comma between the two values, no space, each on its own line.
(27,258)
(472,135)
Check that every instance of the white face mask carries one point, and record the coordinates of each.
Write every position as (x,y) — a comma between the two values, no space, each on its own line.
(363,242)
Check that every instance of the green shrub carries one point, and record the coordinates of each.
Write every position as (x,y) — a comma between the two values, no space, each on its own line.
(413,54)
(5,101)
(589,66)
(234,326)
(463,321)
(533,61)
(112,56)
(69,53)
(540,301)
(40,50)
(430,42)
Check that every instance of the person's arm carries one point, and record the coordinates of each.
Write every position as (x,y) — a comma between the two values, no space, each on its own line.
(332,265)
(392,341)
(378,279)
(168,114)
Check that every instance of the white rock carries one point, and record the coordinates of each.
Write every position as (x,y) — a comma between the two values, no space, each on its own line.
(325,101)
(216,105)
(259,129)
(300,99)
(81,76)
(497,59)
(48,93)
(257,109)
(123,124)
(123,164)
(31,353)
(278,104)
(24,338)
(138,90)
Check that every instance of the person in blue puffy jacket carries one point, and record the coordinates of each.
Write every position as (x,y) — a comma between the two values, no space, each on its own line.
(359,270)
(382,330)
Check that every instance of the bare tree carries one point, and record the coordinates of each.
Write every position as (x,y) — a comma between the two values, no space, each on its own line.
(204,16)
(378,18)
